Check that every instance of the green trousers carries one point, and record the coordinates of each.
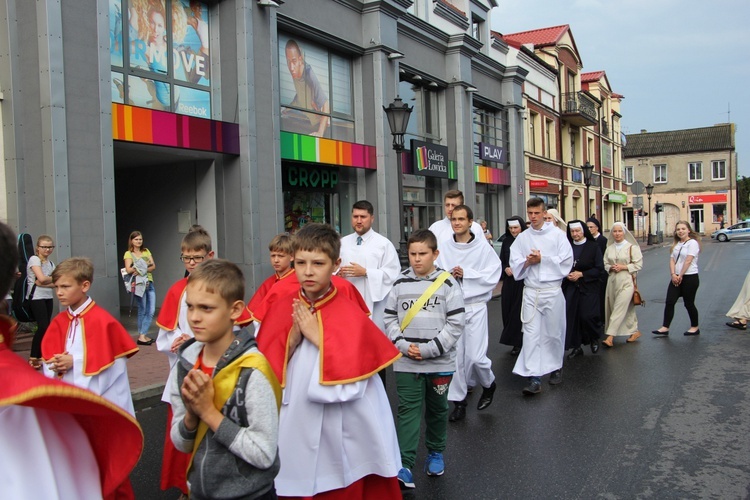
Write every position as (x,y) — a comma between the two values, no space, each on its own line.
(416,390)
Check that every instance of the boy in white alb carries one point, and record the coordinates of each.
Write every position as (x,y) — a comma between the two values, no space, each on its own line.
(477,268)
(542,257)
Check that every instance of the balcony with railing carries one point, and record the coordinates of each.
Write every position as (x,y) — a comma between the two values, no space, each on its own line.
(578,109)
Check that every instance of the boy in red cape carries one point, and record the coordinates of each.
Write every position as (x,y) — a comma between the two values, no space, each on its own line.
(57,439)
(336,430)
(280,254)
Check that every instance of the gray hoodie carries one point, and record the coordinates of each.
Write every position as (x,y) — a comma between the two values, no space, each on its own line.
(241,459)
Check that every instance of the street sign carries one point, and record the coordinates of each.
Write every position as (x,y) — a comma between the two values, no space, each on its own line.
(637,188)
(637,202)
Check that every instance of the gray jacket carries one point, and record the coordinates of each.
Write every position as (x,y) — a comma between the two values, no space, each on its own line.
(436,327)
(241,459)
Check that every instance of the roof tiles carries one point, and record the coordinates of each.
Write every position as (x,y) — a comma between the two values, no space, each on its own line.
(716,138)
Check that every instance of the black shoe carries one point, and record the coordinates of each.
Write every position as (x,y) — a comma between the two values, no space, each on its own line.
(515,351)
(458,413)
(697,332)
(595,346)
(657,332)
(575,352)
(534,387)
(146,342)
(737,325)
(556,377)
(486,398)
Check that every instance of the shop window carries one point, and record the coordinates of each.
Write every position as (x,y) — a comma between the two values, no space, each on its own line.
(491,127)
(695,171)
(160,57)
(316,90)
(424,124)
(718,170)
(720,213)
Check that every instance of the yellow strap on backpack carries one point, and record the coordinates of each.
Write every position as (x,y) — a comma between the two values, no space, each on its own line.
(224,383)
(422,300)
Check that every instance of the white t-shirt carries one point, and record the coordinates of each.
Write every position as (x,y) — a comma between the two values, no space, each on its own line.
(47,268)
(680,253)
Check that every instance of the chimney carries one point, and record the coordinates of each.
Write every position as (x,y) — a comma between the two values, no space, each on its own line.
(643,131)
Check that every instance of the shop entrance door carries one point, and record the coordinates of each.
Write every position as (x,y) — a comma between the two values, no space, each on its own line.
(696,218)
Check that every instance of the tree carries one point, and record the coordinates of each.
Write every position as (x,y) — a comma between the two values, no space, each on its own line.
(743,197)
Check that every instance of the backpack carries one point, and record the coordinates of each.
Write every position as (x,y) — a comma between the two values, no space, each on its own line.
(21,307)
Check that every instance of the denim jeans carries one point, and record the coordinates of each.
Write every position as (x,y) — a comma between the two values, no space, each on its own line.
(146,308)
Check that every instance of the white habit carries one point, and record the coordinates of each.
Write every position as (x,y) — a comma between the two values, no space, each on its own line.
(543,308)
(482,268)
(111,383)
(348,432)
(378,256)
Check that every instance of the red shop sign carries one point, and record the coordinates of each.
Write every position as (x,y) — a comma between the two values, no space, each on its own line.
(538,184)
(708,198)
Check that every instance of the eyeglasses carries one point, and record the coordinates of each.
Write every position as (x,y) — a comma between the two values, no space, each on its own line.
(195,258)
(47,248)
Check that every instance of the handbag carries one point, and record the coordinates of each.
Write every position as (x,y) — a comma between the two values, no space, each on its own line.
(637,299)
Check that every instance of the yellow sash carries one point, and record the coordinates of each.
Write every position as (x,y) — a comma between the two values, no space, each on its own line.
(419,304)
(225,381)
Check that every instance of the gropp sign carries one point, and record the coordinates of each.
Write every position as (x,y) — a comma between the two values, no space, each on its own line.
(303,178)
(429,159)
(491,153)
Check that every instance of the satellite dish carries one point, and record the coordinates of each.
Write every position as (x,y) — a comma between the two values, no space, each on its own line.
(637,188)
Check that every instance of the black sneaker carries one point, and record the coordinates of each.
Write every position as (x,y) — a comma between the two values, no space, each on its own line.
(534,387)
(556,377)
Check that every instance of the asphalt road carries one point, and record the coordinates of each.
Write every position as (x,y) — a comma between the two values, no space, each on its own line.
(660,418)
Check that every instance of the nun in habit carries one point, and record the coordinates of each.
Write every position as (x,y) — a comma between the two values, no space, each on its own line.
(581,289)
(512,294)
(622,260)
(595,228)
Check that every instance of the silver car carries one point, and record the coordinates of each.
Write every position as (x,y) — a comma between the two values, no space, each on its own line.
(738,231)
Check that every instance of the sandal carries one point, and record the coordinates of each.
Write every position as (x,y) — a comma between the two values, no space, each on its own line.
(738,325)
(35,363)
(608,341)
(634,337)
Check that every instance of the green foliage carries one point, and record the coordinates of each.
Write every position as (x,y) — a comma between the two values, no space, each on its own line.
(743,196)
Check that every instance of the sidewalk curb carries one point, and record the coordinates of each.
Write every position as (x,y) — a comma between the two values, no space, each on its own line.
(148,396)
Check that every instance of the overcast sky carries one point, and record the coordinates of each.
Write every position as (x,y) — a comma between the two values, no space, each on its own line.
(679,63)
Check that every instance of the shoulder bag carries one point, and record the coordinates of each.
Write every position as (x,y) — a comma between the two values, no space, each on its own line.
(637,299)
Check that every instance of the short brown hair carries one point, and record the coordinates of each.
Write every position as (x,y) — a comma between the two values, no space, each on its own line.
(283,242)
(454,193)
(423,236)
(221,277)
(316,237)
(196,239)
(536,202)
(79,268)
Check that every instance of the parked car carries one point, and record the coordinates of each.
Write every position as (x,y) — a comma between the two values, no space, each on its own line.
(741,230)
(498,244)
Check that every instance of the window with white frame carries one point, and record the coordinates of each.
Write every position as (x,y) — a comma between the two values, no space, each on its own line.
(695,171)
(718,170)
(627,175)
(660,174)
(533,117)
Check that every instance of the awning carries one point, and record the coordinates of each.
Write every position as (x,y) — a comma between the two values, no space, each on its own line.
(615,197)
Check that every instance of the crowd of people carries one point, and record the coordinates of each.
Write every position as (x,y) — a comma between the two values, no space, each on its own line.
(284,395)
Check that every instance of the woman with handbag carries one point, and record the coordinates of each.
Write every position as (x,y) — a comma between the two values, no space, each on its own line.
(39,280)
(622,260)
(140,263)
(684,281)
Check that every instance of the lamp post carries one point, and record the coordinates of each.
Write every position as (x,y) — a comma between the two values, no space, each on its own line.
(398,113)
(588,169)
(649,192)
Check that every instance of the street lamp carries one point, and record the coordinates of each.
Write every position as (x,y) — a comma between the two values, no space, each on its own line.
(398,113)
(649,192)
(588,169)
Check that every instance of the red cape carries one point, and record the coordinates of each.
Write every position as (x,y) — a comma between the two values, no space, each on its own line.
(169,314)
(352,348)
(115,436)
(104,339)
(291,285)
(264,288)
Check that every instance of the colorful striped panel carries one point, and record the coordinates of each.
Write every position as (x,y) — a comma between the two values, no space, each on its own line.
(489,175)
(298,147)
(149,126)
